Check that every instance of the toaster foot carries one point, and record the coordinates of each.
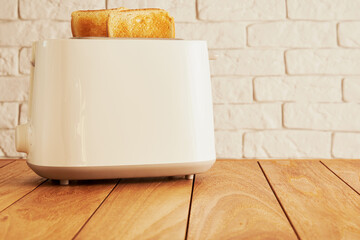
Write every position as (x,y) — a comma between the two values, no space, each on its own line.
(64,182)
(189,177)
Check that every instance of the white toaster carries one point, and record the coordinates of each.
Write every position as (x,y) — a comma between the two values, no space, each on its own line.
(118,108)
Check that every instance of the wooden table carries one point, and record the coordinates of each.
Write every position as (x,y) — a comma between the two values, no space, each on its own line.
(236,199)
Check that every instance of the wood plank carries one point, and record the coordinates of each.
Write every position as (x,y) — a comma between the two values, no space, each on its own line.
(4,162)
(347,170)
(52,211)
(154,208)
(319,204)
(16,180)
(234,201)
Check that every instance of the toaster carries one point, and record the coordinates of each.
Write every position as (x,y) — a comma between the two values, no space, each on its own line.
(103,108)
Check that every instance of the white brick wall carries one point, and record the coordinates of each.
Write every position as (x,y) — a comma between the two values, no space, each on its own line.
(286,82)
(294,34)
(287,144)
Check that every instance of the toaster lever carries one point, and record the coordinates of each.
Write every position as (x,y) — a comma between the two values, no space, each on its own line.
(213,56)
(21,138)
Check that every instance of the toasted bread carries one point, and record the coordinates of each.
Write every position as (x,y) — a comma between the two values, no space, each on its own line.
(141,23)
(91,23)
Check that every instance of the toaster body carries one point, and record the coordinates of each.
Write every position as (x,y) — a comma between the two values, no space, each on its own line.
(118,108)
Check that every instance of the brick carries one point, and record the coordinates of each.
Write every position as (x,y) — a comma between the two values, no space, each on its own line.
(248,62)
(214,33)
(322,116)
(324,9)
(352,89)
(346,145)
(24,111)
(9,9)
(292,34)
(56,9)
(349,33)
(323,61)
(287,144)
(25,59)
(228,144)
(9,61)
(232,90)
(181,10)
(7,144)
(23,33)
(233,10)
(306,89)
(9,115)
(14,88)
(247,116)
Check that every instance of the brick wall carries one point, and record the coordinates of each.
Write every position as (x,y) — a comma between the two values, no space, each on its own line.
(286,83)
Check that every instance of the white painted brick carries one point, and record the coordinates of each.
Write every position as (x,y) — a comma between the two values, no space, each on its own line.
(9,61)
(248,62)
(24,111)
(14,88)
(25,59)
(301,89)
(232,10)
(292,34)
(323,61)
(247,116)
(349,34)
(181,10)
(228,144)
(7,143)
(232,90)
(346,145)
(9,115)
(23,33)
(214,33)
(287,144)
(324,9)
(8,9)
(56,9)
(352,89)
(321,116)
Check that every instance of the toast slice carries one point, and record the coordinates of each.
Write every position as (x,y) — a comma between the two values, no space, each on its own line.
(141,23)
(91,23)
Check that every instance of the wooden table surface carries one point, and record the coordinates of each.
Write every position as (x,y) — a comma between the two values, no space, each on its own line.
(236,199)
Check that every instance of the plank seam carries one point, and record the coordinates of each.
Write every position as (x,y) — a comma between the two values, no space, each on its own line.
(339,177)
(189,213)
(98,207)
(277,198)
(7,164)
(24,195)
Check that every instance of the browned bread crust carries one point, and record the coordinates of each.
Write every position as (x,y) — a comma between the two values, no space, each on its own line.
(91,23)
(141,23)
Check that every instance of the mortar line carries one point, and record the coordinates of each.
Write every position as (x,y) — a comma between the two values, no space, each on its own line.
(337,35)
(332,145)
(197,9)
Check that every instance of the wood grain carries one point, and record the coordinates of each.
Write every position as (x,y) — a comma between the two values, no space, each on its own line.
(4,162)
(347,170)
(318,203)
(52,211)
(234,201)
(142,209)
(16,180)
